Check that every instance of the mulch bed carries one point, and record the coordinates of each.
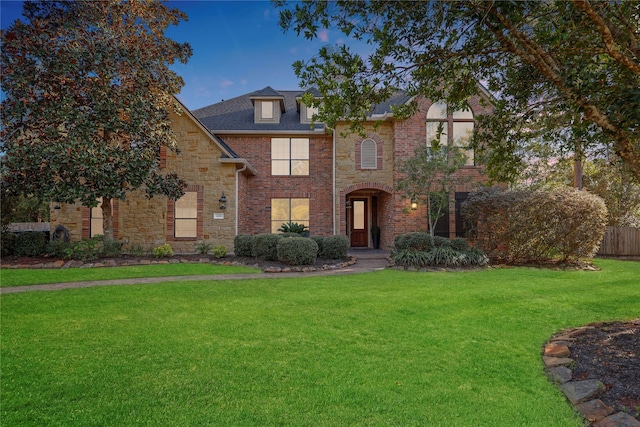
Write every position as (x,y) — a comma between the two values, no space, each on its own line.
(610,353)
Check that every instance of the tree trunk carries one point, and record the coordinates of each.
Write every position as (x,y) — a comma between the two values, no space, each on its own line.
(107,219)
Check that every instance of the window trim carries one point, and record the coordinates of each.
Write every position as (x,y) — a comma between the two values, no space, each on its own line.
(448,123)
(290,158)
(306,222)
(171,216)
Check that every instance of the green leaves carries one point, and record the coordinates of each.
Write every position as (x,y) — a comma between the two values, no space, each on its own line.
(89,93)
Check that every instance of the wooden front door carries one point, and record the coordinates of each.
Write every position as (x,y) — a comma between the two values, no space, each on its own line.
(359,229)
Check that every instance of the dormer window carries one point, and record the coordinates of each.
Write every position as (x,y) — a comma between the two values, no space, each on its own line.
(307,113)
(268,106)
(266,110)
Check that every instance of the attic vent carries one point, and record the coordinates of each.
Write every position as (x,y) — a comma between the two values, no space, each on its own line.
(369,154)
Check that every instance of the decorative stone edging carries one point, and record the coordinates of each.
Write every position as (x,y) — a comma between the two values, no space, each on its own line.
(581,394)
(60,264)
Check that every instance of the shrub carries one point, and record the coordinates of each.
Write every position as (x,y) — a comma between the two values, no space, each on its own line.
(410,258)
(293,227)
(290,235)
(444,256)
(441,242)
(60,249)
(335,247)
(242,245)
(459,244)
(163,251)
(219,251)
(8,243)
(203,248)
(536,226)
(265,246)
(417,241)
(475,257)
(319,241)
(297,251)
(30,243)
(110,249)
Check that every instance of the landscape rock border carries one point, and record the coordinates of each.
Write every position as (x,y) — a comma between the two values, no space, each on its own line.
(582,394)
(121,262)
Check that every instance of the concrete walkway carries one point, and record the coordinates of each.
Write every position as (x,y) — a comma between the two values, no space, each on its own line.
(368,260)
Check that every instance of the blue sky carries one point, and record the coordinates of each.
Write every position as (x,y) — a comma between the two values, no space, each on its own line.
(238,47)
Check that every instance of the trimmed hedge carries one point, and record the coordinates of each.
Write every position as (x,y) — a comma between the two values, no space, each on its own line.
(265,246)
(320,242)
(335,247)
(30,243)
(297,251)
(243,245)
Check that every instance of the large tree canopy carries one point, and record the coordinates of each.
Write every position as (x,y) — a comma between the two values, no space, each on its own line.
(88,95)
(555,67)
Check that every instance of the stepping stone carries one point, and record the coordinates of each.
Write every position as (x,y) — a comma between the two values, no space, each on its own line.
(550,362)
(556,350)
(559,374)
(594,410)
(619,420)
(579,391)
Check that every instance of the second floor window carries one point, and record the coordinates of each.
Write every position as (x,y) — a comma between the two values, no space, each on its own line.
(290,156)
(453,129)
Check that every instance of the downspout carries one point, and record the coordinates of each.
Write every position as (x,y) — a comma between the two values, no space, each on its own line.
(238,204)
(335,232)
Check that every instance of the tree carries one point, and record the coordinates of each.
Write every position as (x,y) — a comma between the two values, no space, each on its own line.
(429,177)
(547,62)
(88,95)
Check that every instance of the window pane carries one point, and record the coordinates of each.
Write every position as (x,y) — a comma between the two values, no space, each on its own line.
(267,109)
(280,148)
(462,133)
(463,114)
(186,227)
(311,111)
(280,210)
(437,111)
(300,167)
(187,205)
(96,225)
(358,215)
(300,210)
(300,148)
(280,167)
(433,128)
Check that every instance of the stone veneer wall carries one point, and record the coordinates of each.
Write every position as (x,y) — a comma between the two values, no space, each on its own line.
(143,222)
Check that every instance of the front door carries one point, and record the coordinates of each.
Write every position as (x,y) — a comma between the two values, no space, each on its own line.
(359,229)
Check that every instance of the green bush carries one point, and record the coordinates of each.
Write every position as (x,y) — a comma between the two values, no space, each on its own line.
(444,256)
(459,244)
(410,258)
(30,243)
(219,251)
(297,251)
(319,241)
(335,247)
(441,242)
(203,248)
(536,226)
(265,246)
(8,243)
(60,249)
(417,241)
(163,251)
(439,256)
(111,249)
(290,234)
(293,227)
(243,245)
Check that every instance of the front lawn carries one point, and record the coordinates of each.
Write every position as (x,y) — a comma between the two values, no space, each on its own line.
(383,348)
(22,277)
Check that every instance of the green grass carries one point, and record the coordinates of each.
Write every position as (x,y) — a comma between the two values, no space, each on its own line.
(22,277)
(383,348)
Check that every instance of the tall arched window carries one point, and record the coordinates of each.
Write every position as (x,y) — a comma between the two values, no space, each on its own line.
(451,128)
(369,154)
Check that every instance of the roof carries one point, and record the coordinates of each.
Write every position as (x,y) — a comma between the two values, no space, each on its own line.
(237,114)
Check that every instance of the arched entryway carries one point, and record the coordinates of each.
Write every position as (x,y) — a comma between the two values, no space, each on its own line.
(363,212)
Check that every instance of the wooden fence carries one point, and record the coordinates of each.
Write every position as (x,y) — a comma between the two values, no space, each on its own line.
(621,242)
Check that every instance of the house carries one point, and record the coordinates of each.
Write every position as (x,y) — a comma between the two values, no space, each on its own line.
(257,161)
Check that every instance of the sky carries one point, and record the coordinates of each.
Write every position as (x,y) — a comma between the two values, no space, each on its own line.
(238,47)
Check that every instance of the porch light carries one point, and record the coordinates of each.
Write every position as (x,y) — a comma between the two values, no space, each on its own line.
(414,204)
